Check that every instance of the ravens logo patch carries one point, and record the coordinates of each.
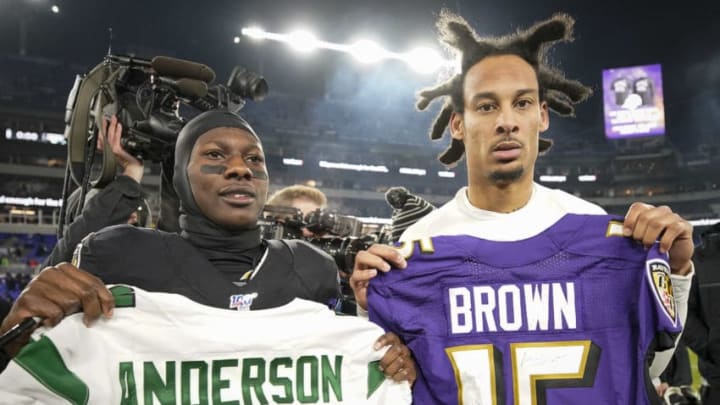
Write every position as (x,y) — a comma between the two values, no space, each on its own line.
(659,273)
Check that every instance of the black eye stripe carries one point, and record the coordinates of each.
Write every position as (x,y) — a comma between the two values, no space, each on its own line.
(220,169)
(259,174)
(213,169)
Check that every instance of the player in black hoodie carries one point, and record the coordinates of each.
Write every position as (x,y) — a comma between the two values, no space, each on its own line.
(218,259)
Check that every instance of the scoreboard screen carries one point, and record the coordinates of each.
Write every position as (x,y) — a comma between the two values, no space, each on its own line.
(633,101)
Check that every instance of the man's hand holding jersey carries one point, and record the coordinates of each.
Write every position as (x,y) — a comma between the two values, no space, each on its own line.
(367,263)
(56,292)
(647,224)
(397,363)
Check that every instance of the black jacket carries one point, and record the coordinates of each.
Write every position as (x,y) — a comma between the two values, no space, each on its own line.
(165,262)
(702,327)
(110,206)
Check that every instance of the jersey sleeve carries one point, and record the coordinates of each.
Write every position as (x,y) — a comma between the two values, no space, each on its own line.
(18,387)
(380,305)
(658,309)
(39,374)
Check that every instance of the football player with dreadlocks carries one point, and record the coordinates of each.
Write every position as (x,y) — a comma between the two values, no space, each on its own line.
(488,276)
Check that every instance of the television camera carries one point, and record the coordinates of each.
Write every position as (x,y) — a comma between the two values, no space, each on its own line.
(146,96)
(340,236)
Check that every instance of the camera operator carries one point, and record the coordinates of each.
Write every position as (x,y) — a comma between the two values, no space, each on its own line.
(306,199)
(300,212)
(312,203)
(121,201)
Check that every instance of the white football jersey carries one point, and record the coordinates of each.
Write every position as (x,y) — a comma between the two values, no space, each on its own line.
(163,348)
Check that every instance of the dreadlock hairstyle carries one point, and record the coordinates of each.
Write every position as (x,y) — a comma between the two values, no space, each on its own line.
(531,44)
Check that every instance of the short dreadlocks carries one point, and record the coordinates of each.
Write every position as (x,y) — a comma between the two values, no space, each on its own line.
(531,44)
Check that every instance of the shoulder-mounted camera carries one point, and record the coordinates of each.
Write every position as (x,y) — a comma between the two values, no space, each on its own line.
(145,95)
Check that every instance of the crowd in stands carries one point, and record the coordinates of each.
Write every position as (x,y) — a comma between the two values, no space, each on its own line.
(22,252)
(20,256)
(11,284)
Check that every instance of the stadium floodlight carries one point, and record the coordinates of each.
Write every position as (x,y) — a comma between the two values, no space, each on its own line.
(15,211)
(421,59)
(292,162)
(302,40)
(413,171)
(254,32)
(424,60)
(375,220)
(704,222)
(55,9)
(367,51)
(236,40)
(355,167)
(553,179)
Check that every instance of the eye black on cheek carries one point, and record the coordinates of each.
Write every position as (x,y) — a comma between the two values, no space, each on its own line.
(259,174)
(213,169)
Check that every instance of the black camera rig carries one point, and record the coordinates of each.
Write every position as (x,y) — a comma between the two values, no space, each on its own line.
(145,95)
(340,236)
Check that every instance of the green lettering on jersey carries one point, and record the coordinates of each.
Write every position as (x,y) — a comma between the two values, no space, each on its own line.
(375,377)
(164,391)
(331,378)
(42,360)
(300,376)
(277,380)
(200,382)
(128,388)
(218,384)
(124,296)
(255,383)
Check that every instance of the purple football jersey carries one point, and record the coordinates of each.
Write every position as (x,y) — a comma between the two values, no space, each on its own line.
(570,316)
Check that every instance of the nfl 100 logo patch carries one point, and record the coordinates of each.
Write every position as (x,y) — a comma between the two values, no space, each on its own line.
(242,302)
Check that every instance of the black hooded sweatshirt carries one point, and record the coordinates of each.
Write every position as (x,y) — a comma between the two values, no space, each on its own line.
(208,264)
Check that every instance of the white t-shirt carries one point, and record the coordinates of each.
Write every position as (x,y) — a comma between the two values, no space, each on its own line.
(545,208)
(165,345)
(460,217)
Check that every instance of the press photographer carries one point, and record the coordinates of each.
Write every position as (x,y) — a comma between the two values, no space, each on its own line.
(300,197)
(340,236)
(299,212)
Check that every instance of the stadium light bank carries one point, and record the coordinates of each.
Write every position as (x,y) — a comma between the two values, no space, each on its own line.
(422,59)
